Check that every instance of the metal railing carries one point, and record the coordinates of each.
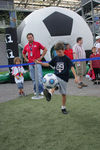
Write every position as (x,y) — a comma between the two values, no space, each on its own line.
(6,5)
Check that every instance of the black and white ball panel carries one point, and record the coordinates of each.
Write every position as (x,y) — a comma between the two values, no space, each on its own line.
(58,24)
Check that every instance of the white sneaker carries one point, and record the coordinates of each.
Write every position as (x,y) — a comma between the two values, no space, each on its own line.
(34,93)
(42,93)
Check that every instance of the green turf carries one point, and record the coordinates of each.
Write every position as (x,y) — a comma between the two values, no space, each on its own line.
(27,124)
(4,72)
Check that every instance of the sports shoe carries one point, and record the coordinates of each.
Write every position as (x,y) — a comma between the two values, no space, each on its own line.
(34,93)
(47,94)
(23,94)
(20,95)
(56,88)
(42,93)
(95,82)
(80,85)
(64,111)
(99,82)
(83,85)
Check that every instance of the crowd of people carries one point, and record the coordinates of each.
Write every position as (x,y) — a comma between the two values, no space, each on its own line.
(63,59)
(78,52)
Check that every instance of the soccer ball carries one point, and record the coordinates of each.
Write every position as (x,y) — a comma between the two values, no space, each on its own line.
(50,81)
(54,24)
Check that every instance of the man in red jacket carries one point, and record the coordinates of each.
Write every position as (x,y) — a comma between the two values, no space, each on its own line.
(33,50)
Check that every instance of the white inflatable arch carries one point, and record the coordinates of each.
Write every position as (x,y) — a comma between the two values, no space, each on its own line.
(53,24)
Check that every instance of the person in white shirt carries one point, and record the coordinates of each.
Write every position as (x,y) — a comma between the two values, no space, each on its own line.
(18,71)
(79,53)
(97,43)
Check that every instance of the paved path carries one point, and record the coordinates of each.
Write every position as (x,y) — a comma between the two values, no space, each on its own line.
(9,91)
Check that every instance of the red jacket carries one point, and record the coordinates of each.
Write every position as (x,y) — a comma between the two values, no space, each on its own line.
(69,53)
(95,63)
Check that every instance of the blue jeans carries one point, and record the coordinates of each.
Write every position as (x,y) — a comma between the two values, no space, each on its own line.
(40,77)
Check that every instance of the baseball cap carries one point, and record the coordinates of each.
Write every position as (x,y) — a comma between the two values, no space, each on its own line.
(97,37)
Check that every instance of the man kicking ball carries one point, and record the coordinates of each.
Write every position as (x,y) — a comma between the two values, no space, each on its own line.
(62,65)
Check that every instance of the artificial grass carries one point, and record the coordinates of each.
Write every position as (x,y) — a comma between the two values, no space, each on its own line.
(27,124)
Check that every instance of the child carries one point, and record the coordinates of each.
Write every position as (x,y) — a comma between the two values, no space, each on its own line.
(99,51)
(62,66)
(18,71)
(95,65)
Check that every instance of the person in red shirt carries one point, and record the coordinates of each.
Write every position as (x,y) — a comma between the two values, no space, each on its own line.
(68,51)
(33,50)
(95,65)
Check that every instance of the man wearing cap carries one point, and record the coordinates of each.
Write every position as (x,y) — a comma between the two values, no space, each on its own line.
(97,43)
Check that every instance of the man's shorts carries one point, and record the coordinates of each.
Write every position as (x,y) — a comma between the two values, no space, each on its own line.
(20,85)
(81,69)
(62,86)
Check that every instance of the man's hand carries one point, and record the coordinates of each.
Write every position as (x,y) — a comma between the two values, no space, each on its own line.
(37,61)
(26,60)
(40,58)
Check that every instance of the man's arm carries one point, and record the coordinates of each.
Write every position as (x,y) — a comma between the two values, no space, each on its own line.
(75,54)
(24,56)
(74,73)
(43,54)
(76,57)
(43,64)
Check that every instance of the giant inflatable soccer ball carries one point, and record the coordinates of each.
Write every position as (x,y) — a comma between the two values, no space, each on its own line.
(54,24)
